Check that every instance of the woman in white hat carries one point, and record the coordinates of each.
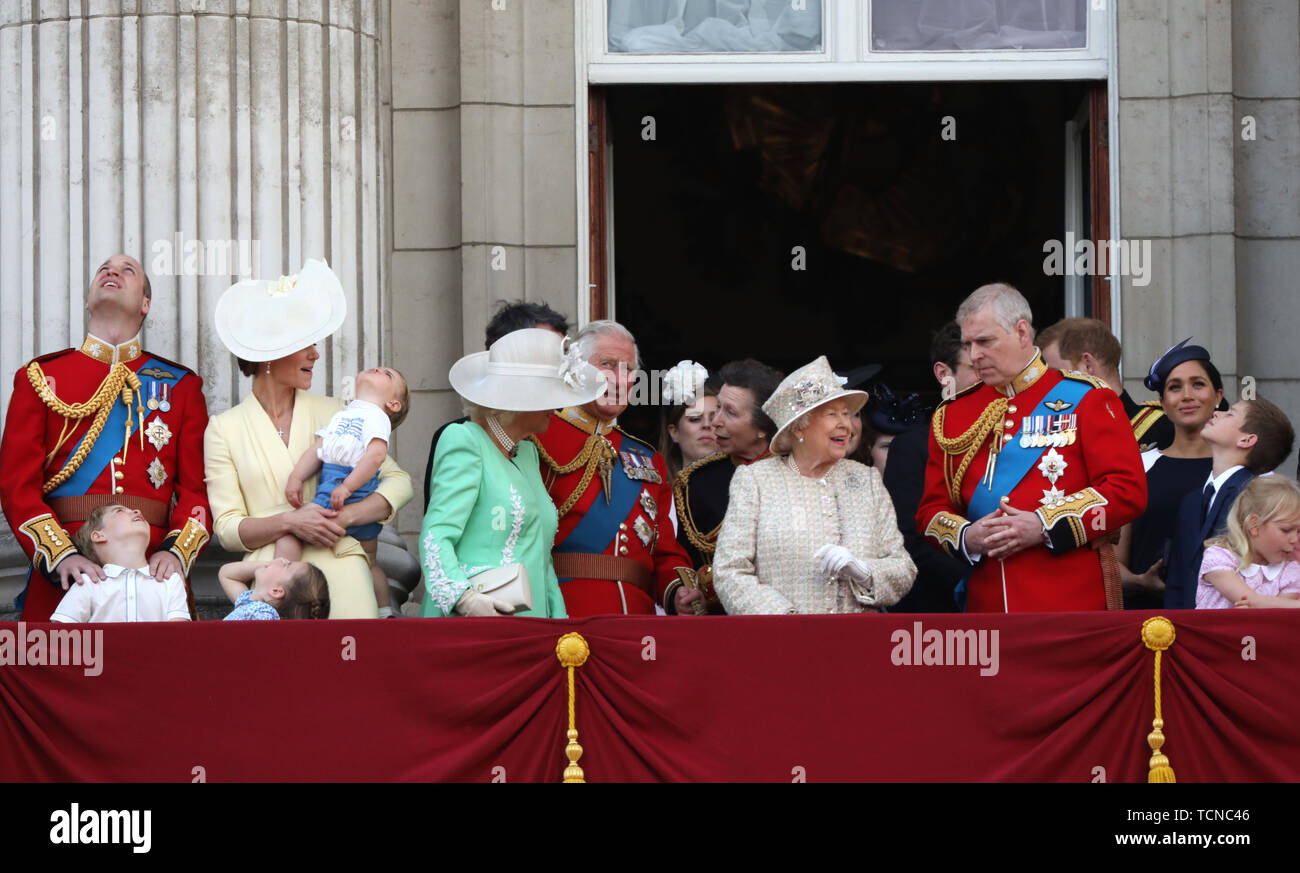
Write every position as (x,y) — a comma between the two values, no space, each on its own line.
(807,531)
(490,510)
(272,328)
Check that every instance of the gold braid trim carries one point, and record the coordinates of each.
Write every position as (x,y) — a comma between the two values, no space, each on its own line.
(119,381)
(595,449)
(967,442)
(707,543)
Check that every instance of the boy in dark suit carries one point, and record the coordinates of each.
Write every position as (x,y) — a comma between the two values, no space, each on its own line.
(1249,439)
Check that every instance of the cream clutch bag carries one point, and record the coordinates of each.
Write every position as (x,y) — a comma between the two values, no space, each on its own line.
(508,584)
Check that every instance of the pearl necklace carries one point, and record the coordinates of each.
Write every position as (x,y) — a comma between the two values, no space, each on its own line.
(795,466)
(499,432)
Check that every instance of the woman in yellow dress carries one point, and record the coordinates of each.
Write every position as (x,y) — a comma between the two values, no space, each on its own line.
(272,328)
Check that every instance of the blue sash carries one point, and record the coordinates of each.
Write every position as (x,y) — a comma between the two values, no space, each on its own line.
(1014,462)
(599,525)
(114,435)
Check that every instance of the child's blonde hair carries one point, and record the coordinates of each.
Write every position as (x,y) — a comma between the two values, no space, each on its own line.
(1263,499)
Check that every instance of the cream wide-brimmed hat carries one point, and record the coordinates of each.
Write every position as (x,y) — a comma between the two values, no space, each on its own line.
(525,371)
(807,388)
(266,319)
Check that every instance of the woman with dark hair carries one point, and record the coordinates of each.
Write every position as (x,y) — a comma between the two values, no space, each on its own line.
(1190,389)
(686,428)
(742,431)
(272,328)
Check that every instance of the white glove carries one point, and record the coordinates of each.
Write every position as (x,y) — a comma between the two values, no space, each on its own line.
(838,562)
(475,603)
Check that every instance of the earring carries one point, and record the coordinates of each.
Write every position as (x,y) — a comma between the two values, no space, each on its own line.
(268,369)
(800,439)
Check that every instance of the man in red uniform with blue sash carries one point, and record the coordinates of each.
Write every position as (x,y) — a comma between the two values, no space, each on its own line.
(1027,468)
(104,423)
(615,551)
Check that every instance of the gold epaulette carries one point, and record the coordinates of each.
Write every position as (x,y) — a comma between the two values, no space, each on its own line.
(962,393)
(1145,418)
(1084,377)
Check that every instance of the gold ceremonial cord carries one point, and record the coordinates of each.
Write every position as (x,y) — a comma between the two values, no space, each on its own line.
(596,448)
(119,381)
(572,651)
(706,543)
(968,442)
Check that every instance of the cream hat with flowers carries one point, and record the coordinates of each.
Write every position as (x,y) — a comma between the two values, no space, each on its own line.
(266,319)
(525,371)
(807,388)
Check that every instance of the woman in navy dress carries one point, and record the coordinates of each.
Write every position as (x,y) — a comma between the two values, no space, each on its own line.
(1190,389)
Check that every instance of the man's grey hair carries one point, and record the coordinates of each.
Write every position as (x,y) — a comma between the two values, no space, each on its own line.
(1005,303)
(586,338)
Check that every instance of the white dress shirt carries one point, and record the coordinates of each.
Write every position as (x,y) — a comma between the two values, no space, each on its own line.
(126,595)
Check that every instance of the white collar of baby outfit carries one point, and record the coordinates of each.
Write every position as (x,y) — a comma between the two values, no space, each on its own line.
(1270,571)
(359,402)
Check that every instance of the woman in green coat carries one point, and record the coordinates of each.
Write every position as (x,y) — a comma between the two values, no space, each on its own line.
(489,507)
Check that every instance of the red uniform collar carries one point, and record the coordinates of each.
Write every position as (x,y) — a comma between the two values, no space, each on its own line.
(107,353)
(1033,371)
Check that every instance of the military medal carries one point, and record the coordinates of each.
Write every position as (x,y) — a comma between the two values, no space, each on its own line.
(643,530)
(153,396)
(649,504)
(639,468)
(166,404)
(159,434)
(1052,466)
(157,474)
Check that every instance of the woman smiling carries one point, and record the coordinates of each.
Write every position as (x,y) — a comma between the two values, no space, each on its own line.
(808,531)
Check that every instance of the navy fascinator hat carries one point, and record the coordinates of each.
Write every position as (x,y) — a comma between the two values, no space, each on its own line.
(1164,365)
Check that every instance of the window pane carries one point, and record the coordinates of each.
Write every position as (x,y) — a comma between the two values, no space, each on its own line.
(671,26)
(963,25)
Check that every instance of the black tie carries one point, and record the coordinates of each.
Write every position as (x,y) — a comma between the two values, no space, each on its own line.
(1207,497)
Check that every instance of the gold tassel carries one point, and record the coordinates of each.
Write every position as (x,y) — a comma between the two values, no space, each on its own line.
(1158,635)
(572,651)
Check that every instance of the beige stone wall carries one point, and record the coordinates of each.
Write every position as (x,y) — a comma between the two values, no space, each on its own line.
(1221,209)
(1266,87)
(1176,179)
(483,155)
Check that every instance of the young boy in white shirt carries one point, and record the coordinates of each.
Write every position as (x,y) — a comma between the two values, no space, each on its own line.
(116,538)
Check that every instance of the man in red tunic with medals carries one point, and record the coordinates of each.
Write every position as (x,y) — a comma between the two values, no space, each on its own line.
(615,551)
(104,423)
(1026,468)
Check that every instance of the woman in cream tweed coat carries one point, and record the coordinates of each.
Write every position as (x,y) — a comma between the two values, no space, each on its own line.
(807,531)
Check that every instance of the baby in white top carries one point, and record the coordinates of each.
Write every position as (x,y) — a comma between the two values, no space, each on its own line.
(348,453)
(116,537)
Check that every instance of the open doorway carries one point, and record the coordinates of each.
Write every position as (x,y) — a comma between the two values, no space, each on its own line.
(786,221)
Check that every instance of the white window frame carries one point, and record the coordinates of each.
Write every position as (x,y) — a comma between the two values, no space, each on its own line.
(595,65)
(845,56)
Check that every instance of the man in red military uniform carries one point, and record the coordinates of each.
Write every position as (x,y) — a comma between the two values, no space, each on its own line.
(1026,467)
(615,551)
(104,423)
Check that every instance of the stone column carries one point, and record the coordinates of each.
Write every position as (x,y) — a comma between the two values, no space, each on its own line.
(211,139)
(1266,121)
(1176,180)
